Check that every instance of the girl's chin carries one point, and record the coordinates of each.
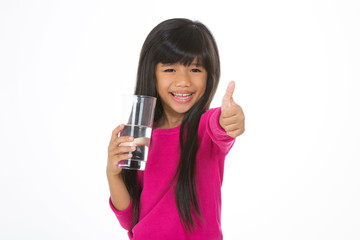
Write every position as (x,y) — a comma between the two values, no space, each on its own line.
(180,109)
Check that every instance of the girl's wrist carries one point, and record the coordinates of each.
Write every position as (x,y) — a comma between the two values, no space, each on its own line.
(111,175)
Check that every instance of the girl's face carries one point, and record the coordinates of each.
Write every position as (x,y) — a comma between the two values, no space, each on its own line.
(179,86)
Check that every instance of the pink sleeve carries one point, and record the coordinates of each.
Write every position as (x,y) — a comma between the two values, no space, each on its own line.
(124,217)
(217,134)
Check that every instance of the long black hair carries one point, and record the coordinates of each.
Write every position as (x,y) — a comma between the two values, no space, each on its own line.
(178,41)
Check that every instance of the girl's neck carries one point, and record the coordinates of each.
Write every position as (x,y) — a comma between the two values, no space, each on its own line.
(169,121)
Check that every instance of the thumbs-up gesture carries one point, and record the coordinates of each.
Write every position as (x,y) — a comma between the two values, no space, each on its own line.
(232,118)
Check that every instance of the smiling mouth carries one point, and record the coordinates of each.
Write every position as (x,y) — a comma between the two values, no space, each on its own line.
(182,97)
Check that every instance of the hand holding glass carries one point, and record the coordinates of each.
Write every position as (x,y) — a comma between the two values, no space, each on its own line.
(137,113)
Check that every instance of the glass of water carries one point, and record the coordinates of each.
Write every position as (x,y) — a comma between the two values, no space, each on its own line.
(137,114)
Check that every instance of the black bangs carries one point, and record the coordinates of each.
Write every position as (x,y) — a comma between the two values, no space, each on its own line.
(183,45)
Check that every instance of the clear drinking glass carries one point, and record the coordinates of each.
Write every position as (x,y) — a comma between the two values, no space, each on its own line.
(137,113)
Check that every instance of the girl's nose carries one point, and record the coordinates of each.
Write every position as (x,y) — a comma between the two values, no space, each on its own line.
(182,80)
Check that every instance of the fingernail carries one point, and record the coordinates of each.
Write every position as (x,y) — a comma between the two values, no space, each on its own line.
(131,138)
(133,148)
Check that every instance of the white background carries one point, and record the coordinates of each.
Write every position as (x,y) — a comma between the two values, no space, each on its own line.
(294,173)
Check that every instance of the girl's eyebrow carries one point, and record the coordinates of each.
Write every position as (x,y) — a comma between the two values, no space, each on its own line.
(196,64)
(166,64)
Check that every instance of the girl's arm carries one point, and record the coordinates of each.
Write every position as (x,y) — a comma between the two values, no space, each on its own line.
(227,123)
(120,197)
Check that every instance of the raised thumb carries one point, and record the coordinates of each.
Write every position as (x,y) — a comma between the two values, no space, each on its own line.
(228,99)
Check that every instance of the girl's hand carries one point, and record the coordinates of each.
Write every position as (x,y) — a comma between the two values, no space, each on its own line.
(232,118)
(118,151)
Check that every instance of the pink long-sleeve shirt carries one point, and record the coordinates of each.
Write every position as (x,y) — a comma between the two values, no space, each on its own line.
(159,217)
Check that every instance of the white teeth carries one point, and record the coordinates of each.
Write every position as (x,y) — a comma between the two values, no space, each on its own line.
(181,95)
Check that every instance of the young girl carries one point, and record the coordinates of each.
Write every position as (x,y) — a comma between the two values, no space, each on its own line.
(178,196)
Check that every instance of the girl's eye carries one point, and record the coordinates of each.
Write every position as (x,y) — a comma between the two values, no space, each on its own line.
(169,70)
(195,70)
